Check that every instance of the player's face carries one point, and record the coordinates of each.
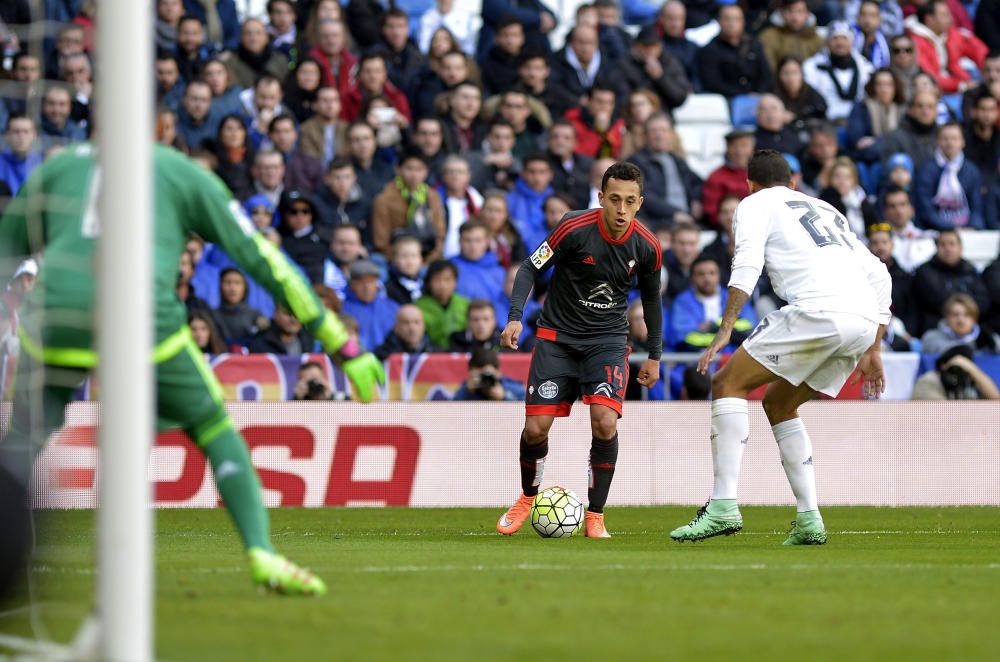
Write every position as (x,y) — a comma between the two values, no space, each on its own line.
(705,278)
(621,200)
(234,288)
(473,244)
(960,319)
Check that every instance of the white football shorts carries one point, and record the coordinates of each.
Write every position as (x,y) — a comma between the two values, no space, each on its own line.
(820,349)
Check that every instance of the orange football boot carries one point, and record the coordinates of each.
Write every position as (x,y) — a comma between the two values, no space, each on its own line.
(511,521)
(595,525)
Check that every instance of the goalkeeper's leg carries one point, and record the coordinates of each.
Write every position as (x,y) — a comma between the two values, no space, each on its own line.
(189,396)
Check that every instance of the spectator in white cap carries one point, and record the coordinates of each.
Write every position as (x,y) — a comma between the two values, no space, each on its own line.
(838,72)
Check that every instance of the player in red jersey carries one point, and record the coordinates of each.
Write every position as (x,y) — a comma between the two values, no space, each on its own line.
(581,347)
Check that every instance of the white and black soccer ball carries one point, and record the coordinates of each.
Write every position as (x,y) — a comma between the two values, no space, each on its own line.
(556,513)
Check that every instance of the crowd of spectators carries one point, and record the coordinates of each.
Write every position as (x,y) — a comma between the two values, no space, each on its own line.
(407,155)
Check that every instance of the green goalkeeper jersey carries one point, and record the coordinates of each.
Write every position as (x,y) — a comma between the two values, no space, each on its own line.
(55,212)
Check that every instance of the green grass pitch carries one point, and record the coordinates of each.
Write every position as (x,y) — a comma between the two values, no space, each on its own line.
(901,584)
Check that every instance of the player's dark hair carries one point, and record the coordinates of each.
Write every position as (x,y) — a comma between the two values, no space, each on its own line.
(436,268)
(768,167)
(622,171)
(482,358)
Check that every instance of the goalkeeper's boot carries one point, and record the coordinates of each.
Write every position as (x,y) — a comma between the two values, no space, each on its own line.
(274,572)
(715,518)
(594,523)
(511,521)
(807,529)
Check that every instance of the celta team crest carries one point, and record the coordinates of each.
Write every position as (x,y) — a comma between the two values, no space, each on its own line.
(548,390)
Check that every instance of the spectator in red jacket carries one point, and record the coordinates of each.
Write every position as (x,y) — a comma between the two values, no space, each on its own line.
(934,33)
(373,81)
(331,51)
(598,133)
(731,177)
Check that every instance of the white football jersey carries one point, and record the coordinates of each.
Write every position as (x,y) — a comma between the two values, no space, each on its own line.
(814,260)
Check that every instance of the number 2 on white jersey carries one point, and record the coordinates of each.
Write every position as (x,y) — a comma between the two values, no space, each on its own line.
(822,235)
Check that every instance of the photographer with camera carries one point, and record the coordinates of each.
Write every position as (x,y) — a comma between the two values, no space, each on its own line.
(485,381)
(956,378)
(312,384)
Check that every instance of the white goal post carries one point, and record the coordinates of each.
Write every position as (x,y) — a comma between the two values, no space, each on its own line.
(124,137)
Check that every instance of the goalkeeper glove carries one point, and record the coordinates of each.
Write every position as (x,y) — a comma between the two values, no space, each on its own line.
(364,371)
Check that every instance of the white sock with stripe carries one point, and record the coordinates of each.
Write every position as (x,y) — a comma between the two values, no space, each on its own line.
(730,430)
(796,458)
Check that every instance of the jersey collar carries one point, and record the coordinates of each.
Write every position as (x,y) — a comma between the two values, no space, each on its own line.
(607,237)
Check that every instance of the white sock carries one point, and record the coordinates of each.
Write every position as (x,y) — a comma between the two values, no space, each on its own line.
(796,458)
(730,430)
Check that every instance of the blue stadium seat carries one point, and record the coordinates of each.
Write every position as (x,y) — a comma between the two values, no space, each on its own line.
(743,109)
(954,102)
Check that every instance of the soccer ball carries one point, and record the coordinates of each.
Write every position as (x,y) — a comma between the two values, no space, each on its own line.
(556,513)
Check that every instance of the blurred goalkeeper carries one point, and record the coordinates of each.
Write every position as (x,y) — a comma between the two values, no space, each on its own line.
(57,335)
